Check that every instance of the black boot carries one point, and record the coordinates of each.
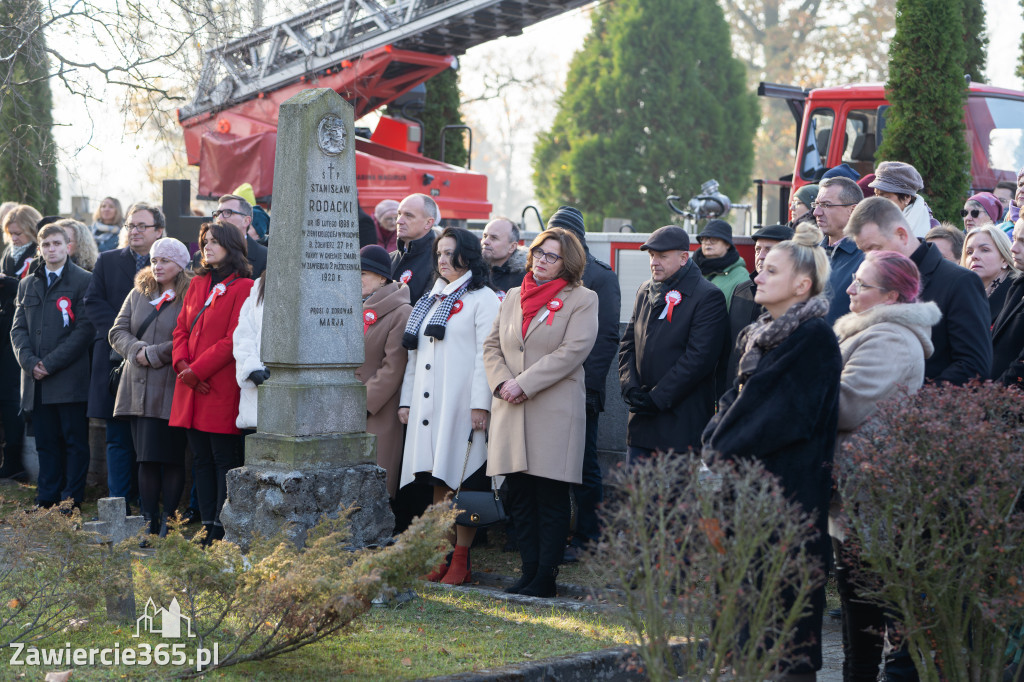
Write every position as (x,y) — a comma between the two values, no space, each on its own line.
(529,573)
(208,540)
(543,584)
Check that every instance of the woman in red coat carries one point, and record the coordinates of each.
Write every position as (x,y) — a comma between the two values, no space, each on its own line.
(205,392)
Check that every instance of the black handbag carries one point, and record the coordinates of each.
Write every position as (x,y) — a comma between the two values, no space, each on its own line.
(477,509)
(114,380)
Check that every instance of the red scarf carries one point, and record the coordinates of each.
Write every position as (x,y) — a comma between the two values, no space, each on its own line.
(533,297)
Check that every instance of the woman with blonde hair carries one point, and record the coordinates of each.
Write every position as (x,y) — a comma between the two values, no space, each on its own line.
(534,357)
(987,254)
(784,406)
(81,245)
(19,235)
(142,334)
(106,225)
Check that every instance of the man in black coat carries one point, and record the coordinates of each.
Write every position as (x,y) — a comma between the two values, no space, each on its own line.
(413,263)
(50,337)
(507,260)
(670,349)
(962,338)
(112,280)
(1008,329)
(599,278)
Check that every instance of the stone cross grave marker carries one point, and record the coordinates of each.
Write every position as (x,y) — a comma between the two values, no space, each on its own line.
(311,451)
(113,528)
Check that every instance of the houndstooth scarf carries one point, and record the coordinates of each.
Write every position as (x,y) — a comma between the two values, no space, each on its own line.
(766,333)
(439,320)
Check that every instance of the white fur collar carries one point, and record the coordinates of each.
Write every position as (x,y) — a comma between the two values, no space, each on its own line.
(917,317)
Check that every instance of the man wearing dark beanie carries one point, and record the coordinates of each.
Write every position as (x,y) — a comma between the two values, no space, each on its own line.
(599,278)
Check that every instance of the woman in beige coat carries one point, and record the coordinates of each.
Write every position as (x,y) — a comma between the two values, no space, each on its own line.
(147,383)
(386,311)
(534,358)
(884,342)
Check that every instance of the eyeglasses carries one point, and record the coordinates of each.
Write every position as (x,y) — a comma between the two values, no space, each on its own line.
(859,285)
(975,212)
(227,213)
(824,205)
(540,254)
(137,227)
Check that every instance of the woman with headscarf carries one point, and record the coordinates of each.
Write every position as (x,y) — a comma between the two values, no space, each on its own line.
(445,398)
(386,312)
(142,334)
(900,183)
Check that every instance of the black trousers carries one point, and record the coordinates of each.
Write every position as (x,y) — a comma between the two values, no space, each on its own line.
(541,511)
(863,622)
(214,455)
(14,439)
(589,493)
(62,443)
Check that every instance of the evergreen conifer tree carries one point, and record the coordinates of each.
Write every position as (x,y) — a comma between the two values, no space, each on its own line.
(925,124)
(975,39)
(654,105)
(442,108)
(28,163)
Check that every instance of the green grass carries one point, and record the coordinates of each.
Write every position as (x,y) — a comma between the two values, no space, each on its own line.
(442,632)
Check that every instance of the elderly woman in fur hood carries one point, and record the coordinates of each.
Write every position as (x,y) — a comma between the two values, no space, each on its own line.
(884,341)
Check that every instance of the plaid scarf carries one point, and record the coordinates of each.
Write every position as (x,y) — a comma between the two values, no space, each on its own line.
(439,320)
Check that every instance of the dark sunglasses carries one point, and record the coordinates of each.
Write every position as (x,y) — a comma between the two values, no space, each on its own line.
(975,212)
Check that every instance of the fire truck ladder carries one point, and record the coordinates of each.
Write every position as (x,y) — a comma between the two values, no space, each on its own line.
(343,30)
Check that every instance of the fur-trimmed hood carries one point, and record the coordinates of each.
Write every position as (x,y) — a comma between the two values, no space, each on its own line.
(516,262)
(919,318)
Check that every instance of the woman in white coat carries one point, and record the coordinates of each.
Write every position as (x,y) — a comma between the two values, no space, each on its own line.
(884,342)
(445,398)
(250,371)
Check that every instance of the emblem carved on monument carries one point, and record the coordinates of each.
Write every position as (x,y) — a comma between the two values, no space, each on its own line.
(330,135)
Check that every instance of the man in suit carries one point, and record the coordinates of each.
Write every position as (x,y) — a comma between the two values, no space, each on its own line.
(112,280)
(236,211)
(50,337)
(962,338)
(670,349)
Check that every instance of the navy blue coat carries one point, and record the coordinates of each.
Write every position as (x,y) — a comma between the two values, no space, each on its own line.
(599,278)
(845,259)
(674,361)
(962,338)
(112,281)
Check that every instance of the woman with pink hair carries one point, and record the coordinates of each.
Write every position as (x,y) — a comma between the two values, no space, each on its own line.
(884,341)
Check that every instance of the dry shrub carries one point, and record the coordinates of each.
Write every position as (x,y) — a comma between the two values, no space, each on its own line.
(50,572)
(278,598)
(932,492)
(707,556)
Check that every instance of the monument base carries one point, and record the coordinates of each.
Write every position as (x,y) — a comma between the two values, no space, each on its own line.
(310,452)
(265,500)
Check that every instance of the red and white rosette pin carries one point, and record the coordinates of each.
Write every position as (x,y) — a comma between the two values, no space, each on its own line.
(369,317)
(24,268)
(554,305)
(217,291)
(164,298)
(501,295)
(64,306)
(672,299)
(405,277)
(456,307)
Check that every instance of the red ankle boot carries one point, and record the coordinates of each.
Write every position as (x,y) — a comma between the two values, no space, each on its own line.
(439,572)
(459,571)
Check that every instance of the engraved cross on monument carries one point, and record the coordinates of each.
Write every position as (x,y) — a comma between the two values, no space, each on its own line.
(311,451)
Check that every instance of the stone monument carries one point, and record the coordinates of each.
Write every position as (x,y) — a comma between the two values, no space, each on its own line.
(112,529)
(311,452)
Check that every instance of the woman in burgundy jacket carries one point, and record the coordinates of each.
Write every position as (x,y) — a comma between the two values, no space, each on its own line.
(205,392)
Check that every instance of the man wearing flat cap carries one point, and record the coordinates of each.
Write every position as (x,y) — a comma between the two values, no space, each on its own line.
(670,350)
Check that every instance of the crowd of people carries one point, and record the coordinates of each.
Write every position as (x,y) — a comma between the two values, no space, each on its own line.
(486,360)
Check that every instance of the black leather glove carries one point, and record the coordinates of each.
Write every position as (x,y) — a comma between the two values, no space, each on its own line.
(641,402)
(593,402)
(258,376)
